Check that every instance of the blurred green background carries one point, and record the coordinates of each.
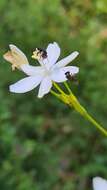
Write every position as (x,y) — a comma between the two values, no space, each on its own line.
(43,144)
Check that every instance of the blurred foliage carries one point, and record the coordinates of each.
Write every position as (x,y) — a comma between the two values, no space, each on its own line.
(43,144)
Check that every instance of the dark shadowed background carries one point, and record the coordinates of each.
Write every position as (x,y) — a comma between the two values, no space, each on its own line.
(43,144)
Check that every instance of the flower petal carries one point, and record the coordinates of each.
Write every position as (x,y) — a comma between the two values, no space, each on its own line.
(8,56)
(17,52)
(16,57)
(65,61)
(99,183)
(72,69)
(32,70)
(58,74)
(53,52)
(25,84)
(45,86)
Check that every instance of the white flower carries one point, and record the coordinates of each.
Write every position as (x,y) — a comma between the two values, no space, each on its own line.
(48,71)
(99,183)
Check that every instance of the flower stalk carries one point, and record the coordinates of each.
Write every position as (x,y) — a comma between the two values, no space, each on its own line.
(71,100)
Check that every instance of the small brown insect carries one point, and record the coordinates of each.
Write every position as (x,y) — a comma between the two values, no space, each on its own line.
(70,77)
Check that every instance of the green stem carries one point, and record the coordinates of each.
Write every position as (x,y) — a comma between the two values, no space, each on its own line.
(72,101)
(98,126)
(58,88)
(67,87)
(55,94)
(77,106)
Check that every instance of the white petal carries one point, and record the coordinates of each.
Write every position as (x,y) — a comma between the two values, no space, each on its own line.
(53,52)
(45,86)
(32,70)
(65,61)
(99,183)
(72,69)
(25,84)
(58,74)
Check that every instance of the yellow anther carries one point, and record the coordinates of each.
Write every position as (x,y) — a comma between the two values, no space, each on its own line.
(39,54)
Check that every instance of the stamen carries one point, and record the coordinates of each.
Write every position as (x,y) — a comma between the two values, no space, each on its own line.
(39,54)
